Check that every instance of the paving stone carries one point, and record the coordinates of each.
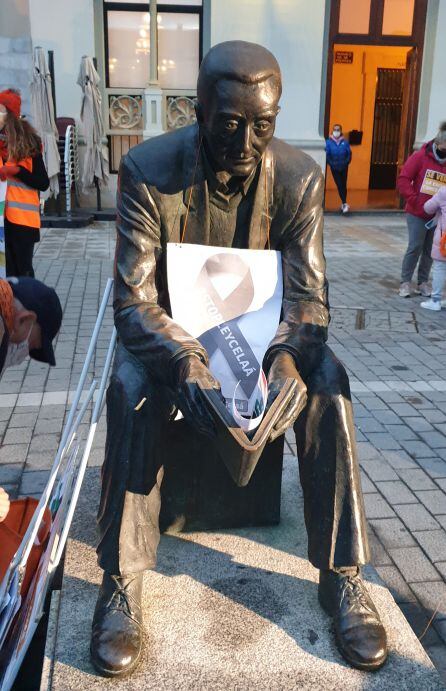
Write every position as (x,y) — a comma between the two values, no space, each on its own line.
(13,453)
(10,474)
(369,424)
(387,417)
(435,440)
(414,565)
(396,492)
(432,596)
(23,420)
(416,478)
(435,467)
(366,484)
(17,435)
(392,533)
(399,459)
(418,424)
(433,543)
(377,507)
(396,584)
(417,449)
(416,516)
(33,482)
(401,432)
(383,441)
(434,500)
(378,469)
(403,409)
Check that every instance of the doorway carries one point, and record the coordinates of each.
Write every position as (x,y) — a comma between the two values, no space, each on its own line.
(374,67)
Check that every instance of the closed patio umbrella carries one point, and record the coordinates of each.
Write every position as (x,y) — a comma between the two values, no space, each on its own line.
(95,167)
(42,110)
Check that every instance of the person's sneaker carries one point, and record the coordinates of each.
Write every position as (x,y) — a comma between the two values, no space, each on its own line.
(424,290)
(345,208)
(405,291)
(434,305)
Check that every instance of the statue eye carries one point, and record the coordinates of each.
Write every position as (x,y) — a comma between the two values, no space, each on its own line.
(230,125)
(262,125)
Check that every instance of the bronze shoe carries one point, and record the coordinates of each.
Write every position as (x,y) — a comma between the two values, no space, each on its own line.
(360,635)
(117,629)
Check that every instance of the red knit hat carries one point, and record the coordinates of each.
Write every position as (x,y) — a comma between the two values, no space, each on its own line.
(12,101)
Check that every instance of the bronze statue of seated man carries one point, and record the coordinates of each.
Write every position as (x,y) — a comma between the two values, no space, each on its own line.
(212,172)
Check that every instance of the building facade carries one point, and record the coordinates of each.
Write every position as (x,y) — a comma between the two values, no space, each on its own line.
(375,66)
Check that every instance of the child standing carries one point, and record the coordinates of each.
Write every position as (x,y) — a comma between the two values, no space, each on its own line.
(437,205)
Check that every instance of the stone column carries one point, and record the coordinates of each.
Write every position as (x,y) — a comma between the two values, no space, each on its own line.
(153,95)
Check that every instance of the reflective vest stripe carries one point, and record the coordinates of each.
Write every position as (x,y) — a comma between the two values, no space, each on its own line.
(22,205)
(16,183)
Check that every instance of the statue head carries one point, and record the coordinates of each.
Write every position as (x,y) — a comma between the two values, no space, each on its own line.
(238,92)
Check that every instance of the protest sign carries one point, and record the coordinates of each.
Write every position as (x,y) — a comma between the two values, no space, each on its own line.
(432,182)
(230,300)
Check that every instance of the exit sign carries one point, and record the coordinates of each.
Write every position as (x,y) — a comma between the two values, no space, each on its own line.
(345,57)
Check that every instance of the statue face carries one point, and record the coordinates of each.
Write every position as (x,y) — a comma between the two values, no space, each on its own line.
(238,122)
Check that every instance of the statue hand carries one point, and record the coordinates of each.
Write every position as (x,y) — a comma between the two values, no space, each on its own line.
(283,368)
(189,372)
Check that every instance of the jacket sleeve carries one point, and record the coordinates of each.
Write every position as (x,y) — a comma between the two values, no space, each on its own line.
(37,178)
(432,205)
(328,152)
(349,149)
(144,327)
(305,310)
(407,176)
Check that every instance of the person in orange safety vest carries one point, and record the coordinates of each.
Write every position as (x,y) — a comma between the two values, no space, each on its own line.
(22,166)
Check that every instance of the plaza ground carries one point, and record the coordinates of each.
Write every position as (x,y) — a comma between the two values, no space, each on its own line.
(396,358)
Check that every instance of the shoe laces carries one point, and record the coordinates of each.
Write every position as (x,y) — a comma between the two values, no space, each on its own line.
(354,593)
(121,600)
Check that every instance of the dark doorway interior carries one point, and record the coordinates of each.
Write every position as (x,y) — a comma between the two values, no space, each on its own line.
(386,129)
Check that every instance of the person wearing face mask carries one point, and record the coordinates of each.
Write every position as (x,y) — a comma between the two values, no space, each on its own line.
(22,166)
(416,186)
(339,156)
(35,315)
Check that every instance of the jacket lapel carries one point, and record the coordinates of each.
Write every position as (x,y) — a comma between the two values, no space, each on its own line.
(194,225)
(263,203)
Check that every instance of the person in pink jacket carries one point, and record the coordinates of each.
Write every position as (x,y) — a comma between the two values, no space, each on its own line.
(437,205)
(421,170)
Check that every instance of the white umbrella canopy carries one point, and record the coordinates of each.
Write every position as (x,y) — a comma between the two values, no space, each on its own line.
(42,110)
(96,155)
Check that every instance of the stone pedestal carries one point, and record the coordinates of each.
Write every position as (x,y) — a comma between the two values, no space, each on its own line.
(226,610)
(199,494)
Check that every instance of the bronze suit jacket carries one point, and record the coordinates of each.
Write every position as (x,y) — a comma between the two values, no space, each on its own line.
(156,179)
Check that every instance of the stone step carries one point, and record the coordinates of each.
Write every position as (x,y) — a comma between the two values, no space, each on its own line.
(227,610)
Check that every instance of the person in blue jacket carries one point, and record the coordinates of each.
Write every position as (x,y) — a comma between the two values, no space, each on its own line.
(339,156)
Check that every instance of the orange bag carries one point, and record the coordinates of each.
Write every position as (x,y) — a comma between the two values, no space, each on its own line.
(443,245)
(12,530)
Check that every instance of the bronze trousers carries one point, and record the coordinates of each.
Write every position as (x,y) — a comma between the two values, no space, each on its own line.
(132,469)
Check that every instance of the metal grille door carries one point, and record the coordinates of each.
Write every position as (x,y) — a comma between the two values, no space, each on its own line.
(386,128)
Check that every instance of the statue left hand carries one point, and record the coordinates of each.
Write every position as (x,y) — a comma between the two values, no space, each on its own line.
(282,368)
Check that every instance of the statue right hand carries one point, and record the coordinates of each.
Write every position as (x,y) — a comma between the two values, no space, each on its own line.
(190,371)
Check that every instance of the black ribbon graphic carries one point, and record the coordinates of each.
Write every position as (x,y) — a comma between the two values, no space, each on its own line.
(226,336)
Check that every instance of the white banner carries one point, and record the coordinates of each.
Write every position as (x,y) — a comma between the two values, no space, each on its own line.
(231,300)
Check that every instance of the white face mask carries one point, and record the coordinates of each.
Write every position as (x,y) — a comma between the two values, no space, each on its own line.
(2,120)
(17,352)
(336,134)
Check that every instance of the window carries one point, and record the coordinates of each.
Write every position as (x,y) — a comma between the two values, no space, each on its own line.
(398,17)
(128,44)
(354,16)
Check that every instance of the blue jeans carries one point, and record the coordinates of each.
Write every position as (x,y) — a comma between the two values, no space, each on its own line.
(438,279)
